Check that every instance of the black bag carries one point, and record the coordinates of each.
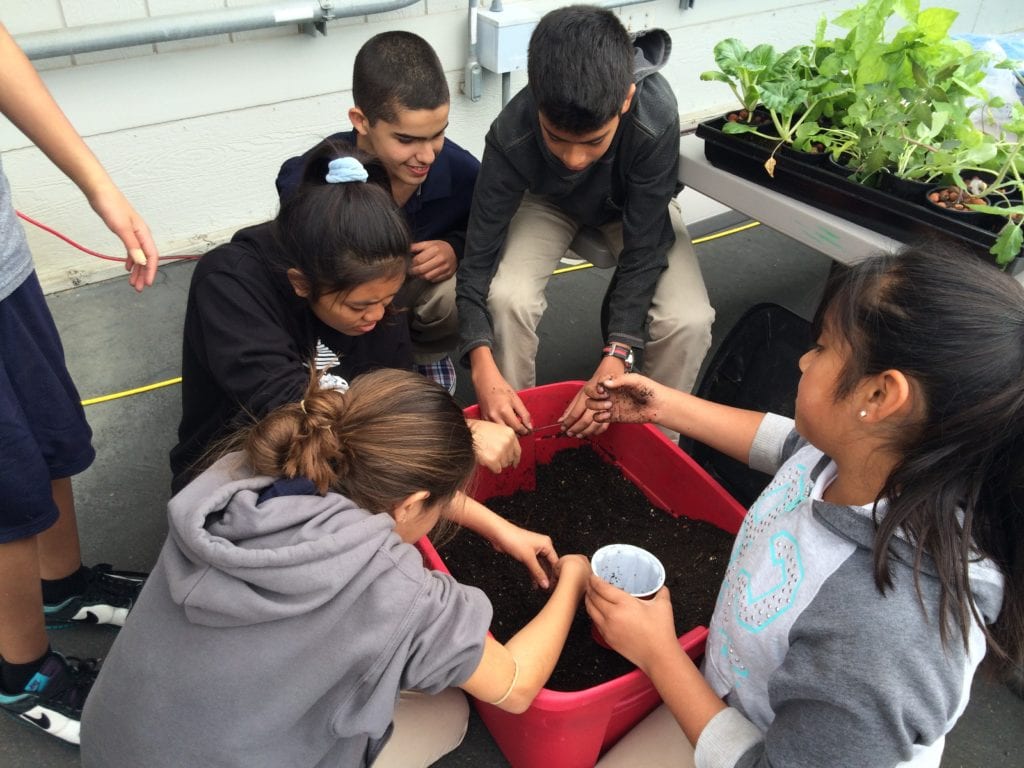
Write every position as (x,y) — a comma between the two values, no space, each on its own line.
(755,367)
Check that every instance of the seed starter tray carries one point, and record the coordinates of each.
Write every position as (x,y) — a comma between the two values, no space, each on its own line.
(814,183)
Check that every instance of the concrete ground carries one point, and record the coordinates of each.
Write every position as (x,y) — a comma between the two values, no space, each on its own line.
(117,341)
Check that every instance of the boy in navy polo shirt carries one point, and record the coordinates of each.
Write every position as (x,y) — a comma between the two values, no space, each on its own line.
(400,115)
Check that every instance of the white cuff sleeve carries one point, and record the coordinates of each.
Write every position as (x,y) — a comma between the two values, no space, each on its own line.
(725,739)
(766,450)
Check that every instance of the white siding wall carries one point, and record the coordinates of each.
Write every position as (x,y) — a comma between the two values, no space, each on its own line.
(194,131)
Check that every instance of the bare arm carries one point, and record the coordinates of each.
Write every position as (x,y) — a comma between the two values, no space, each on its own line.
(633,398)
(534,550)
(643,631)
(25,100)
(498,401)
(515,672)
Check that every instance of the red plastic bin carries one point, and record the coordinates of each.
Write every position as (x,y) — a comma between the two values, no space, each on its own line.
(571,729)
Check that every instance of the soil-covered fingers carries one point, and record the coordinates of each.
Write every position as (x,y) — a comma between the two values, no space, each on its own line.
(534,550)
(586,426)
(630,398)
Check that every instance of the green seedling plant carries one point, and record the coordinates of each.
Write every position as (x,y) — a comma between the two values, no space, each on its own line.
(1008,190)
(746,71)
(786,84)
(894,94)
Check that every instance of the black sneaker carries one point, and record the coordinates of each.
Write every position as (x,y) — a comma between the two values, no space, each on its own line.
(53,699)
(106,599)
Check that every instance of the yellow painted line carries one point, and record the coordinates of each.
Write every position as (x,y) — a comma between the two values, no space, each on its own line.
(130,392)
(726,232)
(562,271)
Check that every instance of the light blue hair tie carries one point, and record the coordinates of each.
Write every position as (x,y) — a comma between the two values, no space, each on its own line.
(343,169)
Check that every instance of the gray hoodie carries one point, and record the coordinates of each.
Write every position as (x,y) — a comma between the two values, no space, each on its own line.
(276,634)
(819,668)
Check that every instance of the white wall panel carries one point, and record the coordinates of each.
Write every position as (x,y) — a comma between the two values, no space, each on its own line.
(194,131)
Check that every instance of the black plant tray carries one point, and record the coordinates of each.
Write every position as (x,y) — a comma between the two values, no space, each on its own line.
(816,184)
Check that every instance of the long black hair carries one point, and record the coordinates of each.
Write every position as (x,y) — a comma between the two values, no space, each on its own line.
(954,325)
(341,235)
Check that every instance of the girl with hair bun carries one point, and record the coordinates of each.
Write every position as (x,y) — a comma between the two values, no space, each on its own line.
(316,283)
(289,614)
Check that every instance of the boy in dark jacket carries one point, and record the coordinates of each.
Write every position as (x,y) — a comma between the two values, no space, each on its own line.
(400,115)
(592,142)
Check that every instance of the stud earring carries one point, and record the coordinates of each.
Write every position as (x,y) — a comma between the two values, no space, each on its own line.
(862,414)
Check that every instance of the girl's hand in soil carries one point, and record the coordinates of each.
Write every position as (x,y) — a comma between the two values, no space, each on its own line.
(495,445)
(641,630)
(534,550)
(575,568)
(629,398)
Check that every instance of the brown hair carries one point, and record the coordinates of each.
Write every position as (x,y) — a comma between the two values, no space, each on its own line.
(392,434)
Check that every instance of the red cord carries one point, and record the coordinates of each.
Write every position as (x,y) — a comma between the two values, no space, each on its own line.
(91,252)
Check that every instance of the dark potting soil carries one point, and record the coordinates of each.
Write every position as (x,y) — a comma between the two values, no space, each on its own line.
(583,503)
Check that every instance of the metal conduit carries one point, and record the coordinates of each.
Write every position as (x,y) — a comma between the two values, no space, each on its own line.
(309,14)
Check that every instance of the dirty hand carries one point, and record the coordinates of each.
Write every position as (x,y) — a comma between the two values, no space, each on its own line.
(630,398)
(500,403)
(433,260)
(121,219)
(534,550)
(495,445)
(578,419)
(638,629)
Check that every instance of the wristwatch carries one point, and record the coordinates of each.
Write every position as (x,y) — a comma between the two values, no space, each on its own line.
(622,351)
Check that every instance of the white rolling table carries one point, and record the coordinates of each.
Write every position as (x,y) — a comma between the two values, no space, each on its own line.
(836,237)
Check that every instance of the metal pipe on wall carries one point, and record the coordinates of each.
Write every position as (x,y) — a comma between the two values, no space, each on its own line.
(182,26)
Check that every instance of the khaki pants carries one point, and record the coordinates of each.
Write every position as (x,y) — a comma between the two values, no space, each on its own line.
(657,741)
(680,315)
(426,729)
(433,322)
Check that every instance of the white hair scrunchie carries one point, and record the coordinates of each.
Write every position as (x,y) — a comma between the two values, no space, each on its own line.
(344,169)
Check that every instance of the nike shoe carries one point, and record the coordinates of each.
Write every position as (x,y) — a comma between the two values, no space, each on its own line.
(52,700)
(106,599)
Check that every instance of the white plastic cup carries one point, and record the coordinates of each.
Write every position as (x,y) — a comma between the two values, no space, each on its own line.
(631,569)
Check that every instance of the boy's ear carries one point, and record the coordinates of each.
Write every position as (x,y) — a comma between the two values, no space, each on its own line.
(359,121)
(629,98)
(300,284)
(888,393)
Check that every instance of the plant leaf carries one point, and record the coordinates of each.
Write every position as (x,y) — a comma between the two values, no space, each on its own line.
(1008,244)
(934,23)
(715,75)
(728,55)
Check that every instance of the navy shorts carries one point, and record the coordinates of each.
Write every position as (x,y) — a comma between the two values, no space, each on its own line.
(43,432)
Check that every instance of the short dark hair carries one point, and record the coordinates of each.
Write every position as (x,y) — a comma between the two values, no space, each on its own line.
(580,67)
(395,71)
(340,236)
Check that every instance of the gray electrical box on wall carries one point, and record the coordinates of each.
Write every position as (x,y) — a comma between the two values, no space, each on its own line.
(504,37)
